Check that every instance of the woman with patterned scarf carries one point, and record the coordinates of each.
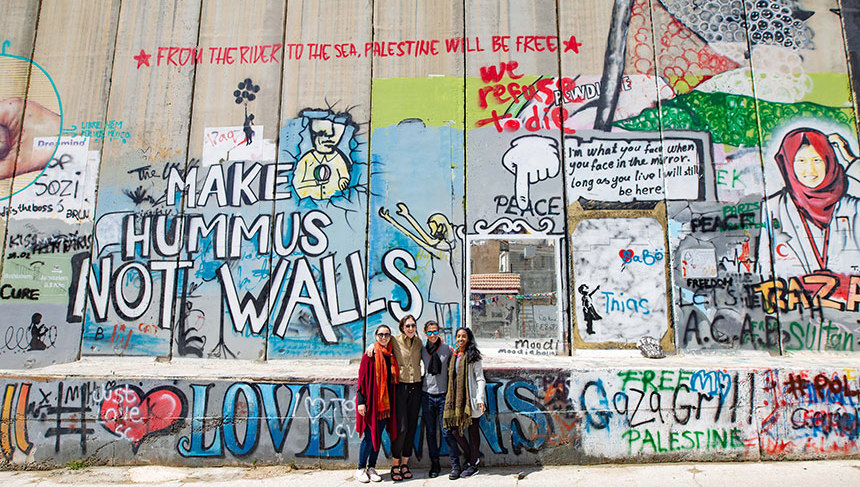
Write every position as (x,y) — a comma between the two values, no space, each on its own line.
(407,350)
(375,402)
(465,402)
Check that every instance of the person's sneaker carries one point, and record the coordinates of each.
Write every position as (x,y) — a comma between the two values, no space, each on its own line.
(374,477)
(455,472)
(469,471)
(361,476)
(435,468)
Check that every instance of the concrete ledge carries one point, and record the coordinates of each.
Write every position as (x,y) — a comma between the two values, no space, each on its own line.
(601,408)
(297,369)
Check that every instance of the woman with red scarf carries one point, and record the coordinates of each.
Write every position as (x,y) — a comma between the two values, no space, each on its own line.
(813,220)
(375,403)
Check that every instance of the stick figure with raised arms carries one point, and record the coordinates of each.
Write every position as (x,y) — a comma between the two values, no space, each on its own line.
(439,242)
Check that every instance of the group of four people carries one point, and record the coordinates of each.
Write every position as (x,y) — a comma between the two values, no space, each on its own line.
(392,392)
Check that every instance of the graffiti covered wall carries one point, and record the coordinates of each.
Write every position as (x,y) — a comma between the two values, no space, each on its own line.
(546,416)
(256,184)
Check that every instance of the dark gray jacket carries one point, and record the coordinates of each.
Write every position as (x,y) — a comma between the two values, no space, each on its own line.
(436,384)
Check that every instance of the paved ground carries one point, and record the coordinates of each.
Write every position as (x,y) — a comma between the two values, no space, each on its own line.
(781,474)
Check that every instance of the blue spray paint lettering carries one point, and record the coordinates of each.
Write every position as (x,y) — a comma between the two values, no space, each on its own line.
(602,413)
(525,407)
(193,446)
(252,428)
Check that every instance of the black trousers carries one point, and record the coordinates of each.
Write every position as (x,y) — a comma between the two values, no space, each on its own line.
(408,399)
(469,448)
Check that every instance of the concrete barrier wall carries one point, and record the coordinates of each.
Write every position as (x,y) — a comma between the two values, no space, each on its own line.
(189,179)
(548,416)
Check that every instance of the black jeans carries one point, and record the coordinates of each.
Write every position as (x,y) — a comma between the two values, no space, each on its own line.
(470,448)
(434,407)
(408,409)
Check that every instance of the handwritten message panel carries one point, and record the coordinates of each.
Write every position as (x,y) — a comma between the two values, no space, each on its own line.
(624,167)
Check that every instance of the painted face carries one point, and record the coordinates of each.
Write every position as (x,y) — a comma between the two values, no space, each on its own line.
(432,333)
(383,336)
(410,328)
(439,227)
(437,230)
(462,339)
(809,166)
(326,135)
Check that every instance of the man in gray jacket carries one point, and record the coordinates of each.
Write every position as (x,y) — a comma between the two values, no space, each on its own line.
(436,356)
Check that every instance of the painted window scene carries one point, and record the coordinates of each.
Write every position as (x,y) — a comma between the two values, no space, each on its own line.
(514,305)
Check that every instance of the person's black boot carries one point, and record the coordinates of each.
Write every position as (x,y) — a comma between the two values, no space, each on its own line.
(455,470)
(435,468)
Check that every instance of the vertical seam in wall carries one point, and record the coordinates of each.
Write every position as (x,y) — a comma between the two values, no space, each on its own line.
(464,260)
(269,297)
(110,81)
(366,296)
(761,152)
(96,188)
(182,201)
(669,277)
(176,310)
(562,296)
(568,273)
(101,150)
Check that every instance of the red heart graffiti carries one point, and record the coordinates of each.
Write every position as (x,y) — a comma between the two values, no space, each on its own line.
(626,255)
(129,413)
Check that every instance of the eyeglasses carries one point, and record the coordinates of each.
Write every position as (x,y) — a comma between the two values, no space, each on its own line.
(431,333)
(383,335)
(413,325)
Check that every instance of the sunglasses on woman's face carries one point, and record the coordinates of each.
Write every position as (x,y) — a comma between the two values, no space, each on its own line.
(431,333)
(410,325)
(383,335)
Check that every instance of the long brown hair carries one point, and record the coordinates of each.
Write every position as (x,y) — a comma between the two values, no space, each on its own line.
(404,319)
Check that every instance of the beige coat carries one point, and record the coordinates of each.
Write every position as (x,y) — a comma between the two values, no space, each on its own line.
(408,358)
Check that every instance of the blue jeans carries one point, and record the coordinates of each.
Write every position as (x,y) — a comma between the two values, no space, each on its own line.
(367,455)
(433,406)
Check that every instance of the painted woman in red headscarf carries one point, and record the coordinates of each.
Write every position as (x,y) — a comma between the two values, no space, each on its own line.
(813,220)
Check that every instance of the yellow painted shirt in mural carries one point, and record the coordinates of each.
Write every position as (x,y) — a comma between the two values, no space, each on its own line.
(408,353)
(318,175)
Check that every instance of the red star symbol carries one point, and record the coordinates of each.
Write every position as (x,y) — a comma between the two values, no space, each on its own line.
(569,45)
(142,58)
